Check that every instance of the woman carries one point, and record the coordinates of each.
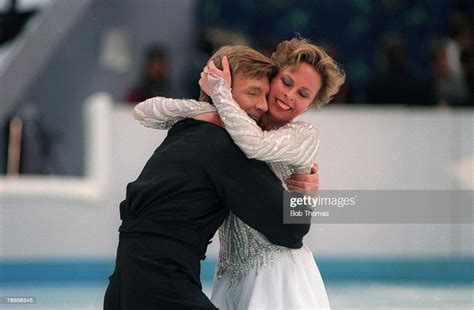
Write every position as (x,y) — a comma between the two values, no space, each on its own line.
(253,273)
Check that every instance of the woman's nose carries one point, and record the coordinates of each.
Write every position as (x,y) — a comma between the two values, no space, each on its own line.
(290,96)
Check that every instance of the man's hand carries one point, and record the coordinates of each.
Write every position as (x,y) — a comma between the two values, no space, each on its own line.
(305,183)
(211,117)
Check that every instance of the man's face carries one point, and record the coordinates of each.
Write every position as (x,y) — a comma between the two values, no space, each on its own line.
(251,94)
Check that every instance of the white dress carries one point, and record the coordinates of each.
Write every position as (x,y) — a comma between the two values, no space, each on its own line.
(253,273)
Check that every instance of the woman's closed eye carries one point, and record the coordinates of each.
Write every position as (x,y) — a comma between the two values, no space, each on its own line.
(304,94)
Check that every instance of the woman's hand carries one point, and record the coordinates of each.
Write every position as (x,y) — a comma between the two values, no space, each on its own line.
(203,81)
(224,73)
(305,183)
(211,68)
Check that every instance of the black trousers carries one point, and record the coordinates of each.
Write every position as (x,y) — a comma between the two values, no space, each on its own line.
(155,274)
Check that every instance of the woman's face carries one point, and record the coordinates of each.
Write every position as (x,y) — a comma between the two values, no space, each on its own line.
(292,91)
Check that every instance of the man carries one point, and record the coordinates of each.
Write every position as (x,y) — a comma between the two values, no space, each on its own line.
(182,196)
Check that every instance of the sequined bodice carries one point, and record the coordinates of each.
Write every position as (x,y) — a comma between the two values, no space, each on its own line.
(242,247)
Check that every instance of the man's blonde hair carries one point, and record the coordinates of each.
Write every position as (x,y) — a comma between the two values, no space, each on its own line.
(243,60)
(297,50)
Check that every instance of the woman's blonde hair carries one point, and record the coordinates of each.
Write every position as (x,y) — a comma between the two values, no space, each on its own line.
(296,50)
(243,60)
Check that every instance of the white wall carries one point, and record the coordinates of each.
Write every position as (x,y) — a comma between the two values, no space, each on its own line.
(360,149)
(74,71)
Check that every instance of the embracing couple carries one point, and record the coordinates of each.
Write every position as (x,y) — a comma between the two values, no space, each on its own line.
(224,165)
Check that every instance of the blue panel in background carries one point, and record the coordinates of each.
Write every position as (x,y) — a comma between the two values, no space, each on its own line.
(387,269)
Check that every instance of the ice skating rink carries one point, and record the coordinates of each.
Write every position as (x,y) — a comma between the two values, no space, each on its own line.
(59,235)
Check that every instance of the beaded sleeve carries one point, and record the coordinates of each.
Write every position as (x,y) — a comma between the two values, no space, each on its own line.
(163,113)
(295,144)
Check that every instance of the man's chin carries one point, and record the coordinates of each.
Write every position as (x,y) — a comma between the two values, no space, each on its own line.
(255,118)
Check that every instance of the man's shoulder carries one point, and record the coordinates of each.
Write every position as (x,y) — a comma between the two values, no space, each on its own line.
(204,135)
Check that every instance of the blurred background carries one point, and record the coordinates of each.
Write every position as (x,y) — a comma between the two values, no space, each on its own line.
(72,70)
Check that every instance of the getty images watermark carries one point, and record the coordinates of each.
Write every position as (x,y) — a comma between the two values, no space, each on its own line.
(310,203)
(379,206)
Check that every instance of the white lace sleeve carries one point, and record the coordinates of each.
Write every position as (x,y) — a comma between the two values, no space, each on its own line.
(163,113)
(295,144)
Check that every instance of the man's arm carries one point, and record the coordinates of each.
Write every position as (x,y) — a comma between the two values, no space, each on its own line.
(252,191)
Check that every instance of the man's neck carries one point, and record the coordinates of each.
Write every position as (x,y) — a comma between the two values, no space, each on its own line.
(268,123)
(211,117)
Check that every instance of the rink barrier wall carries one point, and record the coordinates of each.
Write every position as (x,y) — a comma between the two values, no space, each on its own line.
(435,270)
